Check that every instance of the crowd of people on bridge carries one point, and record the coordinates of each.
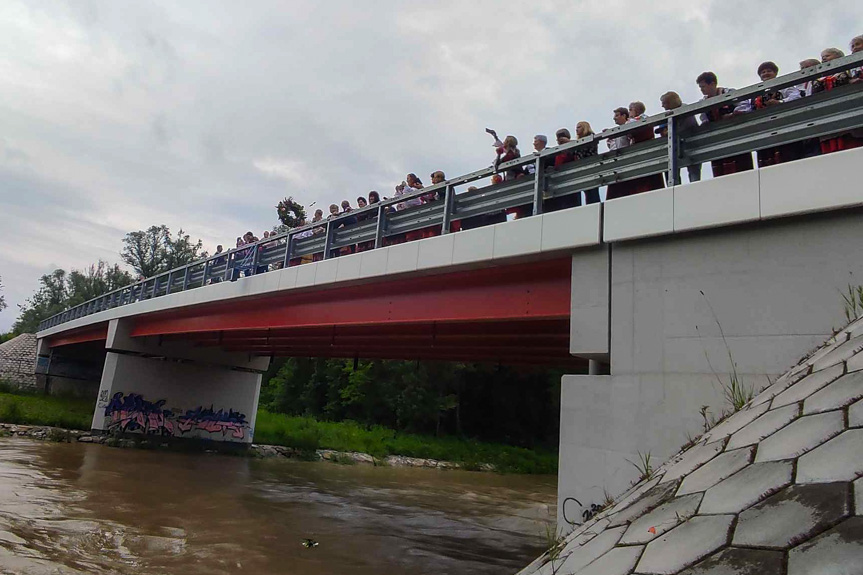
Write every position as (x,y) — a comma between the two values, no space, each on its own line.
(507,150)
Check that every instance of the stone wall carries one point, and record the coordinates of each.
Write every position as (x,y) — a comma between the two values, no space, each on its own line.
(18,361)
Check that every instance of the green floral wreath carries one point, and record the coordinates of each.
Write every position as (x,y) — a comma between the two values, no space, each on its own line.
(291,212)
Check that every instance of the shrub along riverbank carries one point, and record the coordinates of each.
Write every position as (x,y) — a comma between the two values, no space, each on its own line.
(306,433)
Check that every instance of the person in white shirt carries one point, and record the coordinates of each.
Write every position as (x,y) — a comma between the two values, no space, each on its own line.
(540,141)
(776,154)
(408,186)
(621,116)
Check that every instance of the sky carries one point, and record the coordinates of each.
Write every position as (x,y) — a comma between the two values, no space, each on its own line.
(115,116)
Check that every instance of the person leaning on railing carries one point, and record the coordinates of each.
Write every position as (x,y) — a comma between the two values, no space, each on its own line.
(842,141)
(708,84)
(653,181)
(776,154)
(583,130)
(810,147)
(671,101)
(562,136)
(540,142)
(618,189)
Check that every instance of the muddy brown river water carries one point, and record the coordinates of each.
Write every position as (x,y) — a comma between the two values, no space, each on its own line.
(77,508)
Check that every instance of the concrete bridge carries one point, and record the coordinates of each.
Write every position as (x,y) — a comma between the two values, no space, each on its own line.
(652,300)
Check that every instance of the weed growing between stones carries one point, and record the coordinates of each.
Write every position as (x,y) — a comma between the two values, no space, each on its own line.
(852,300)
(643,465)
(555,545)
(736,394)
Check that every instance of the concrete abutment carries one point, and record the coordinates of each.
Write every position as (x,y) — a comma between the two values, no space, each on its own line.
(686,312)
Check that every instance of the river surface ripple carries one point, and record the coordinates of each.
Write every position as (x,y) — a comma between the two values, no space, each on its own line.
(77,508)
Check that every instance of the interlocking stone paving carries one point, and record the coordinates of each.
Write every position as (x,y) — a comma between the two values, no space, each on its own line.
(844,391)
(766,425)
(633,494)
(855,328)
(590,530)
(840,459)
(807,386)
(829,346)
(685,545)
(740,419)
(650,500)
(733,561)
(747,487)
(840,354)
(838,551)
(800,436)
(855,414)
(692,459)
(662,519)
(778,387)
(792,515)
(583,555)
(619,561)
(780,485)
(712,473)
(858,496)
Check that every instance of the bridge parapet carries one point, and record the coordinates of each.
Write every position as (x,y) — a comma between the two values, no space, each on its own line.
(807,118)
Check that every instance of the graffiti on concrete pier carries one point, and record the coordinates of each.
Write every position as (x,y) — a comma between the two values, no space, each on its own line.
(132,413)
(205,419)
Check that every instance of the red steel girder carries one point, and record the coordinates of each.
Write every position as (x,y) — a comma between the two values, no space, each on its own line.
(535,291)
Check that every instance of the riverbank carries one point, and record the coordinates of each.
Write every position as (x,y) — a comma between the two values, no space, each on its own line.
(279,435)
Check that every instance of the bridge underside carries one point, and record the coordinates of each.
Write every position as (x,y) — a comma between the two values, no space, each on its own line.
(512,314)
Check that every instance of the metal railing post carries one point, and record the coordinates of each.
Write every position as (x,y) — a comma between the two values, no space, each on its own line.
(255,257)
(673,152)
(289,246)
(447,209)
(381,227)
(538,186)
(206,275)
(170,281)
(185,278)
(328,241)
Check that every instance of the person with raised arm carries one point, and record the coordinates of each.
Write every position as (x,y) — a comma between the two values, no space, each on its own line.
(409,185)
(709,86)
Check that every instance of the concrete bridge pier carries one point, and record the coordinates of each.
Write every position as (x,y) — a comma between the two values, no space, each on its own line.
(173,389)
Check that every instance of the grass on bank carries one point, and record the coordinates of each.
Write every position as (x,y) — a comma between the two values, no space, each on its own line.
(305,433)
(65,412)
(308,433)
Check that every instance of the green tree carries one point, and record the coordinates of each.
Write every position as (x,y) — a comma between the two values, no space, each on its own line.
(60,290)
(155,250)
(2,299)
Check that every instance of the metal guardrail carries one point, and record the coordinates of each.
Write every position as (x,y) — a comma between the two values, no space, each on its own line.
(822,114)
